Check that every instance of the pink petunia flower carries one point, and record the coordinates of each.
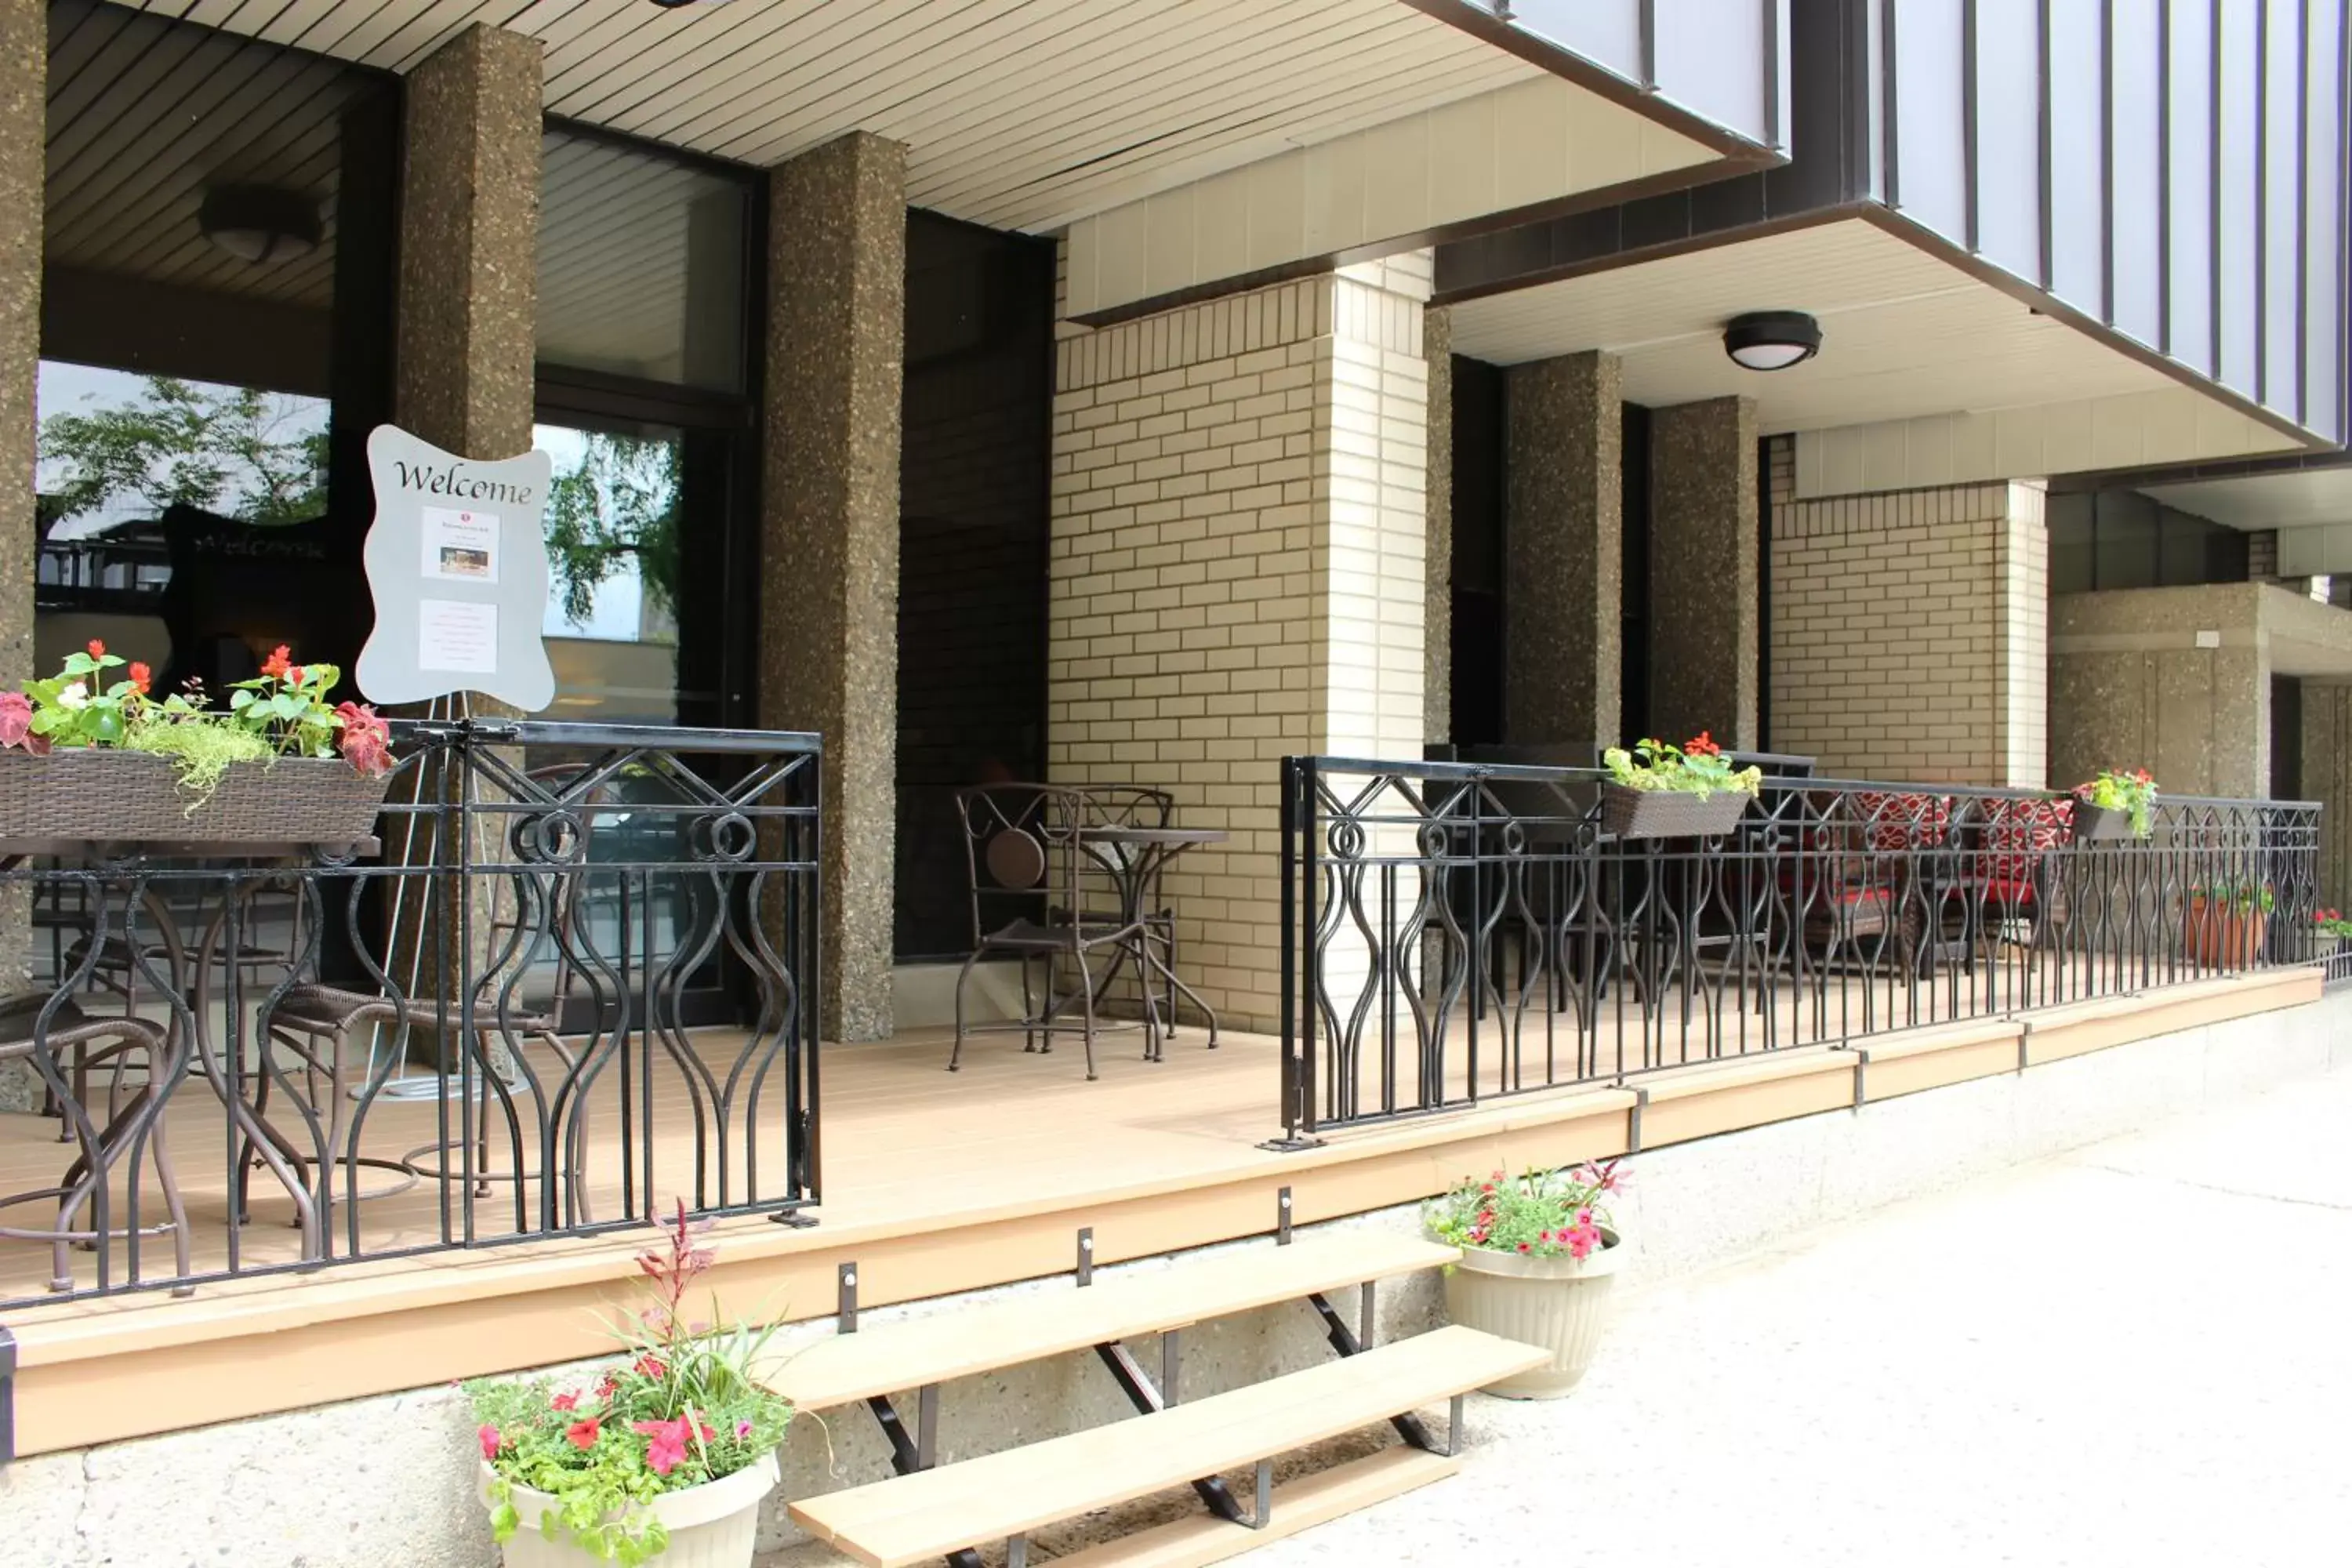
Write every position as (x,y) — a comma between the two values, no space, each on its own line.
(491,1441)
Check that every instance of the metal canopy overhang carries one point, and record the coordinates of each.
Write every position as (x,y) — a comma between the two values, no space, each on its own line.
(2180,217)
(1019,114)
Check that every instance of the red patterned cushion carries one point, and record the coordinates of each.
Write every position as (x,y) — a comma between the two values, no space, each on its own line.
(2019,832)
(1906,821)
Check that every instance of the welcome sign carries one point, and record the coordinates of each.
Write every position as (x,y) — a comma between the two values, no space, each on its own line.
(457,565)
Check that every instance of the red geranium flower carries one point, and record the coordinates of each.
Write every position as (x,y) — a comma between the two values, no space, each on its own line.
(97,648)
(279,662)
(140,677)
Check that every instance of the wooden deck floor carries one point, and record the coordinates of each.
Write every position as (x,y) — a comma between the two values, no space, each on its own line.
(902,1138)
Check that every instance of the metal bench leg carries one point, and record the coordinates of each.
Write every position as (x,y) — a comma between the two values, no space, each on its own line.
(1454,1426)
(1265,1514)
(1016,1552)
(1409,1426)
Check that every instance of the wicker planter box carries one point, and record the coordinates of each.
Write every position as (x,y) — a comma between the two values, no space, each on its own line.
(1632,813)
(135,797)
(2101,824)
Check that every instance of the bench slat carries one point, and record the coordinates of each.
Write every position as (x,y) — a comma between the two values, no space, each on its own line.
(902,1522)
(845,1368)
(1201,1539)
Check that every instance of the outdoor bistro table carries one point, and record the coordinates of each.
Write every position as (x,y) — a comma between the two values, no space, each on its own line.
(131,870)
(1133,858)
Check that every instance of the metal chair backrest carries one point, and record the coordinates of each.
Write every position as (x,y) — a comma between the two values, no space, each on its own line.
(1021,850)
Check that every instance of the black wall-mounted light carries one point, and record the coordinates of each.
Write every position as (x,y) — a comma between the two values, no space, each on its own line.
(260,224)
(1773,340)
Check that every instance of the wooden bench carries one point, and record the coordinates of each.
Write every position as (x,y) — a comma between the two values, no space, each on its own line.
(872,1366)
(924,1352)
(933,1513)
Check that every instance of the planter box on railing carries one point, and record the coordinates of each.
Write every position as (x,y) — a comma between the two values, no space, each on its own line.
(2101,824)
(1629,812)
(135,796)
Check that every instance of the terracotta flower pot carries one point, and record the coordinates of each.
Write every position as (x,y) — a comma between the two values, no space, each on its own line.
(710,1526)
(1554,1303)
(2224,934)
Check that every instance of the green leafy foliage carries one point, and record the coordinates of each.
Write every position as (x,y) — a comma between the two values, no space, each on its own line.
(227,450)
(1695,767)
(621,499)
(681,1410)
(282,713)
(1558,1213)
(2116,790)
(2242,897)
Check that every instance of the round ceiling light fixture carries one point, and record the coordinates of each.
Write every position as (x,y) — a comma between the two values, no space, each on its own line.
(1773,340)
(260,224)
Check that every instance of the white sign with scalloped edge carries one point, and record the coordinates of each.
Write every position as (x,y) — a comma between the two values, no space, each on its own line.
(456,561)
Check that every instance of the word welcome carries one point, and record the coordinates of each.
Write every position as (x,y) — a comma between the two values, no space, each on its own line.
(450,479)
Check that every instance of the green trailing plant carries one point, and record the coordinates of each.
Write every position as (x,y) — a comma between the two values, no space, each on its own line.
(282,713)
(1696,767)
(681,1411)
(2116,790)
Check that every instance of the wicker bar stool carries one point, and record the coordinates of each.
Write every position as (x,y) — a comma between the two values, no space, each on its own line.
(134,1124)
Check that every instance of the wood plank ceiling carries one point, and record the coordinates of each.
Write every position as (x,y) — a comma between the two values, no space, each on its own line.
(142,118)
(1018,113)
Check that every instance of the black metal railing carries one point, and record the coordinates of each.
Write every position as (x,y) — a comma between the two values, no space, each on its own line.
(569,980)
(1457,932)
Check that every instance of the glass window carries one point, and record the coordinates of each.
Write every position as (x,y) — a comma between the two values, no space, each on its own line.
(613,572)
(216,284)
(641,263)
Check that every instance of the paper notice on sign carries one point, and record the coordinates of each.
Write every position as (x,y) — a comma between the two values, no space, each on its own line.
(460,546)
(457,636)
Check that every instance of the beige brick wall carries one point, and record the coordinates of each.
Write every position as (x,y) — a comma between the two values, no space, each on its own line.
(1237,575)
(1910,631)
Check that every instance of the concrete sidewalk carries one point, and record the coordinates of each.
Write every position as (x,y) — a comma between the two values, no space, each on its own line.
(2134,1356)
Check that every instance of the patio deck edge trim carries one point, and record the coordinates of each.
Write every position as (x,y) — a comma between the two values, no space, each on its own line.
(99,1376)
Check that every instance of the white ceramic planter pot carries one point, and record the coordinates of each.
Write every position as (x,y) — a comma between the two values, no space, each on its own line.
(1553,1303)
(710,1526)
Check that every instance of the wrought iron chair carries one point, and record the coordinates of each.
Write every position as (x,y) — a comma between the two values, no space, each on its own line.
(1024,853)
(134,1127)
(1135,805)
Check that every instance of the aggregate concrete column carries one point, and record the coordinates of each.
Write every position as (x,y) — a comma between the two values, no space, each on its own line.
(829,542)
(467,334)
(2328,779)
(24,70)
(1437,612)
(1563,550)
(1703,575)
